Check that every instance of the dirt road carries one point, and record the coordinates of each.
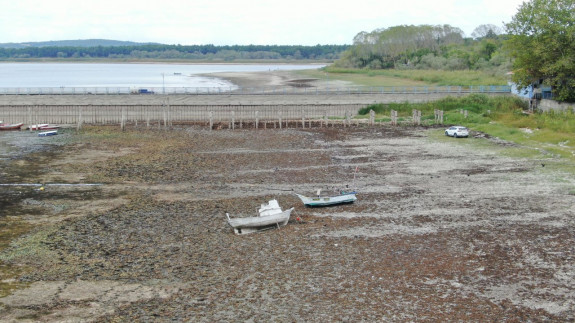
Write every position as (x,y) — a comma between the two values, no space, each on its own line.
(444,229)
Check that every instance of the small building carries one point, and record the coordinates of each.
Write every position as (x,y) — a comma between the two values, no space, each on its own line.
(534,92)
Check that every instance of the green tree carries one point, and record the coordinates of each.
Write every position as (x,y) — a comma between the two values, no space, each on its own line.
(486,31)
(542,42)
(399,45)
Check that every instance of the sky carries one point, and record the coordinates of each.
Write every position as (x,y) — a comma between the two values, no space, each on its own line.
(233,22)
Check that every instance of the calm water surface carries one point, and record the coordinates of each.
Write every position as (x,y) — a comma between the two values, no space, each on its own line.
(30,75)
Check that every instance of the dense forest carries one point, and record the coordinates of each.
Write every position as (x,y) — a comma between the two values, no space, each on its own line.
(423,47)
(180,52)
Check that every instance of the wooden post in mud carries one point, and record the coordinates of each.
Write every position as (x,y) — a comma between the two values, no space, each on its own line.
(165,115)
(438,116)
(257,119)
(416,116)
(30,115)
(147,117)
(123,119)
(394,117)
(210,116)
(347,119)
(233,126)
(280,118)
(302,119)
(371,117)
(325,118)
(168,111)
(79,126)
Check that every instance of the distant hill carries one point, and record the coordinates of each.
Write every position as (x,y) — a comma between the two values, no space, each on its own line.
(75,43)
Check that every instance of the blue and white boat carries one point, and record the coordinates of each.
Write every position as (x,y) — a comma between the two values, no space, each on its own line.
(48,133)
(342,198)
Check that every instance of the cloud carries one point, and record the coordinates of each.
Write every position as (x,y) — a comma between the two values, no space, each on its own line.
(227,22)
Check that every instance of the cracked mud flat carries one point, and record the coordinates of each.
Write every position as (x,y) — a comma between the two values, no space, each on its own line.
(443,230)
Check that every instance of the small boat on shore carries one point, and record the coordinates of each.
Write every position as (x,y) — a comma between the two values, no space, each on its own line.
(269,216)
(43,126)
(36,126)
(11,126)
(48,133)
(342,198)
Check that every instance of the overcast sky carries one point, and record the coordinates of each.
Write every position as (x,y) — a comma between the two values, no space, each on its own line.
(234,22)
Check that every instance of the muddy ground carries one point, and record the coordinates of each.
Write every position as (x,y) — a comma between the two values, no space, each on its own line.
(444,229)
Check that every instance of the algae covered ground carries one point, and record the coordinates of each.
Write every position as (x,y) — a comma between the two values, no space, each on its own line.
(444,229)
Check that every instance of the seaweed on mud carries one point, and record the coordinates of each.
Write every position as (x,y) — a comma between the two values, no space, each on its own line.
(412,247)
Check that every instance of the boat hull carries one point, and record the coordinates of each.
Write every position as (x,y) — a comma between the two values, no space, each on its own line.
(257,223)
(43,126)
(327,200)
(15,126)
(47,133)
(37,126)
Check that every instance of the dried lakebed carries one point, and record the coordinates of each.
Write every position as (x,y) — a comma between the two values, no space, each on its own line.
(443,229)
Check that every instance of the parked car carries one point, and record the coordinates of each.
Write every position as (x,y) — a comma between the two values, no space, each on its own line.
(457,131)
(141,91)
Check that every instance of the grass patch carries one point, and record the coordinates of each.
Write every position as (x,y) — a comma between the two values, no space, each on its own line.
(9,231)
(392,77)
(537,135)
(364,78)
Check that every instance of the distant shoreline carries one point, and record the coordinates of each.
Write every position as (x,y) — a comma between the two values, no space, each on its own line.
(182,62)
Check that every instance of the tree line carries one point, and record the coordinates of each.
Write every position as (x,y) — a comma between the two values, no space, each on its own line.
(537,48)
(158,51)
(440,47)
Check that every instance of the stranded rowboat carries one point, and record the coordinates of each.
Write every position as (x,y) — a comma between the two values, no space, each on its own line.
(37,126)
(43,126)
(344,197)
(48,133)
(11,126)
(269,216)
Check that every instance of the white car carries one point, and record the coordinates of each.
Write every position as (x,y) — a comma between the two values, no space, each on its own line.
(457,131)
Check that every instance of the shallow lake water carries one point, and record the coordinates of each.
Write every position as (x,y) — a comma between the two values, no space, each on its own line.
(30,75)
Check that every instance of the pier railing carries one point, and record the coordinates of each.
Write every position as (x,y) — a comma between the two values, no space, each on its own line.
(283,90)
(168,114)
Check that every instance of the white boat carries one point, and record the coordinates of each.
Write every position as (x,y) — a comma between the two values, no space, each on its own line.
(37,126)
(43,126)
(48,133)
(343,197)
(269,216)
